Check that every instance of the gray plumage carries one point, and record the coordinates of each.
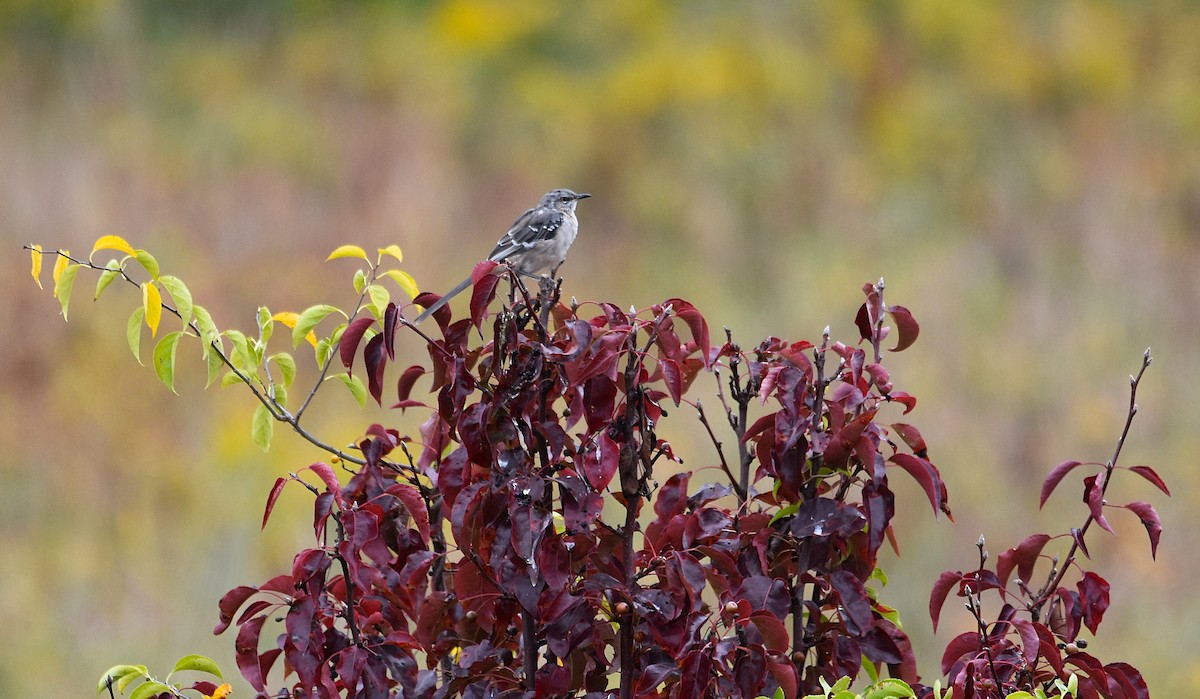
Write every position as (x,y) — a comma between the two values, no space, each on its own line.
(536,243)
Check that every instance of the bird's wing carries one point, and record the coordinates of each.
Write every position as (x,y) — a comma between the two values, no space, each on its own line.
(532,227)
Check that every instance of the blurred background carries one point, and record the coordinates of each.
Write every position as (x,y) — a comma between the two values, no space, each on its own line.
(1025,176)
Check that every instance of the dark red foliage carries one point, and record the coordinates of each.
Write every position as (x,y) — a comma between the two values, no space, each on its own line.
(538,538)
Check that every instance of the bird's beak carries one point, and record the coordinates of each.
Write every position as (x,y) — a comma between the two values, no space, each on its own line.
(582,196)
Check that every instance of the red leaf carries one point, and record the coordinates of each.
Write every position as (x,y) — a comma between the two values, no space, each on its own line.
(1023,557)
(415,504)
(600,462)
(774,633)
(483,290)
(1150,520)
(246,650)
(272,497)
(230,603)
(1030,642)
(926,476)
(906,327)
(912,437)
(672,378)
(963,644)
(862,320)
(1150,475)
(904,399)
(1093,495)
(325,472)
(696,324)
(1054,478)
(1129,678)
(1093,597)
(941,588)
(390,314)
(373,358)
(351,336)
(784,672)
(405,383)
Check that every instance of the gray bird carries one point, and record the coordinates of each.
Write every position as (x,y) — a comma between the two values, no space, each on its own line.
(535,245)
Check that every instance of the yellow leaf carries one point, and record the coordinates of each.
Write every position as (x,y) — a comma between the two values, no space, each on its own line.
(347,251)
(289,319)
(407,284)
(220,692)
(152,304)
(112,242)
(394,251)
(60,263)
(36,253)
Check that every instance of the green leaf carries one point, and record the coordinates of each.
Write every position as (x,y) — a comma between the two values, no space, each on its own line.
(106,277)
(785,512)
(150,689)
(309,320)
(357,389)
(205,324)
(64,285)
(265,324)
(890,688)
(230,379)
(287,366)
(180,295)
(133,332)
(118,675)
(199,663)
(147,261)
(241,355)
(360,279)
(262,427)
(215,363)
(164,359)
(380,297)
(394,251)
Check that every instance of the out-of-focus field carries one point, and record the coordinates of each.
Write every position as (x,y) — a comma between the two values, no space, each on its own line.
(1025,175)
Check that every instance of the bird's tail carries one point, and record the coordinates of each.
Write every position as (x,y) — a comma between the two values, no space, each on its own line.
(443,300)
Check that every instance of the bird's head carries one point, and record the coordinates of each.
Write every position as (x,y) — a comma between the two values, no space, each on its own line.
(562,199)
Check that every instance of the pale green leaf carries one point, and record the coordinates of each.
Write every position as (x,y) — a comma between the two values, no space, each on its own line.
(357,389)
(360,277)
(164,359)
(309,320)
(149,689)
(117,673)
(405,281)
(147,261)
(180,295)
(241,355)
(348,251)
(133,332)
(322,350)
(265,325)
(380,297)
(229,379)
(262,427)
(106,277)
(64,285)
(287,367)
(199,663)
(205,324)
(213,358)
